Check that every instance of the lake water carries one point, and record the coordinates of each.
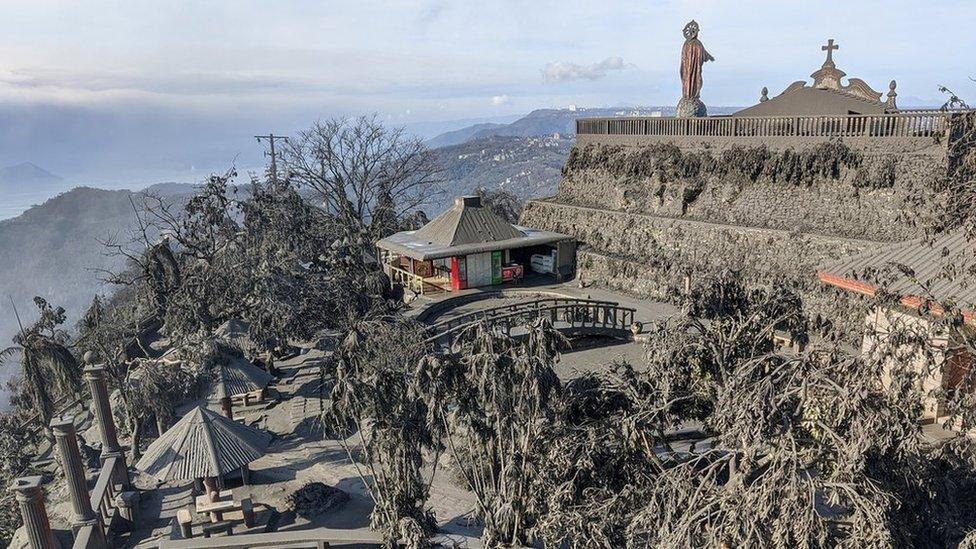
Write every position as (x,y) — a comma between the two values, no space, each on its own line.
(16,202)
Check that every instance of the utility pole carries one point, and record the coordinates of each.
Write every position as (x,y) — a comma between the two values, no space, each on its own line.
(271,138)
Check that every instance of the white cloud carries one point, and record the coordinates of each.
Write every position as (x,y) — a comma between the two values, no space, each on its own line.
(561,70)
(501,100)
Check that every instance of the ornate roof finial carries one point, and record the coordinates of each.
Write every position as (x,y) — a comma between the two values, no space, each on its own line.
(892,94)
(765,95)
(828,76)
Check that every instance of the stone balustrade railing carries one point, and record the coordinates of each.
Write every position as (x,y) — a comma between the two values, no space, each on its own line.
(909,124)
(95,514)
(108,502)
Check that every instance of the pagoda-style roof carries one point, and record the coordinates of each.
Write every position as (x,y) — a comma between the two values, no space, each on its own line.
(466,228)
(467,222)
(236,377)
(237,333)
(828,95)
(921,271)
(203,444)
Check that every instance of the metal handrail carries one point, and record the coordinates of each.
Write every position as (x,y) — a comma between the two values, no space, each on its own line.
(584,314)
(532,305)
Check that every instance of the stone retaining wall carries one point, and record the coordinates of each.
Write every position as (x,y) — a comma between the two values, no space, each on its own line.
(892,192)
(649,256)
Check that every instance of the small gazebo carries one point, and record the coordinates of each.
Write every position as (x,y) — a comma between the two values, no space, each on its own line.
(469,246)
(204,445)
(237,377)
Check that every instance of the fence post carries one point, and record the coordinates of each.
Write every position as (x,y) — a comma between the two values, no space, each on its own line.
(74,474)
(30,499)
(95,376)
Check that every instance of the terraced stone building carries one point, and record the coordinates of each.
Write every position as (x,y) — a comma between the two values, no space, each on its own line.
(817,173)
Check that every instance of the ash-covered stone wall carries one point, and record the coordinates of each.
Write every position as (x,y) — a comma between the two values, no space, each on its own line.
(649,210)
(649,256)
(832,188)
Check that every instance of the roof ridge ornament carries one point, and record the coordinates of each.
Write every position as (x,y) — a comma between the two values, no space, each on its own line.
(828,77)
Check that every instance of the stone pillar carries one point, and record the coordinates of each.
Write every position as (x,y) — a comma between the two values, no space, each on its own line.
(95,375)
(30,498)
(74,476)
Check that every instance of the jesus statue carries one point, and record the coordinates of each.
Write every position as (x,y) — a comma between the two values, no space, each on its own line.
(693,56)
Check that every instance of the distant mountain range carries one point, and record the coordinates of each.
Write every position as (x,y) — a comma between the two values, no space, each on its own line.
(25,184)
(538,123)
(26,174)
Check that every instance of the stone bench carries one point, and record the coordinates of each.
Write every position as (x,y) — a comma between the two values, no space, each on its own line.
(225,526)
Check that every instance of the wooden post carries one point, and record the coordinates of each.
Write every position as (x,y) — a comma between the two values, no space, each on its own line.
(227,406)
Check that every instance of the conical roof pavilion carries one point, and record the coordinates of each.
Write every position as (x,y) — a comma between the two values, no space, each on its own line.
(468,227)
(237,377)
(467,222)
(203,444)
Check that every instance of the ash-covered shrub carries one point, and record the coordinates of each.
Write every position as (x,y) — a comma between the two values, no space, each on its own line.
(668,162)
(316,498)
(881,176)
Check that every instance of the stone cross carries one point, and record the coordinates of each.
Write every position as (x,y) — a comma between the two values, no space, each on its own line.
(829,48)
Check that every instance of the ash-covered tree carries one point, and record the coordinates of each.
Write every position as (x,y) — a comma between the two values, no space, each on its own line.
(19,440)
(497,399)
(367,175)
(260,254)
(49,372)
(724,440)
(501,202)
(378,400)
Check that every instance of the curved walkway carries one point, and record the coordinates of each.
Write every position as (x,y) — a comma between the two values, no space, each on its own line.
(443,307)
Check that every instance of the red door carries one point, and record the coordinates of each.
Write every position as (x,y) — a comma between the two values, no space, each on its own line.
(459,274)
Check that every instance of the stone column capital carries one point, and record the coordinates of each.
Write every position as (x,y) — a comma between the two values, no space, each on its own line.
(63,426)
(25,488)
(94,372)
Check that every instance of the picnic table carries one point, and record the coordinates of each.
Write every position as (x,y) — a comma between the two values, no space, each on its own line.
(226,501)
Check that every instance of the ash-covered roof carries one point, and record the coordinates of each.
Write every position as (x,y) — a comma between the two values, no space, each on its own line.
(809,101)
(466,222)
(466,228)
(236,377)
(237,333)
(941,270)
(203,444)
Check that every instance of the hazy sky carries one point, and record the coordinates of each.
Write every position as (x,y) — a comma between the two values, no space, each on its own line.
(129,91)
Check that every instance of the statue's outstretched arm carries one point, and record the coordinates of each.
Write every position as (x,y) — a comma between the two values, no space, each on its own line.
(708,56)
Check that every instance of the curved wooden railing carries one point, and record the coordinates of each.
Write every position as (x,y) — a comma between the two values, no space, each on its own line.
(908,124)
(565,313)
